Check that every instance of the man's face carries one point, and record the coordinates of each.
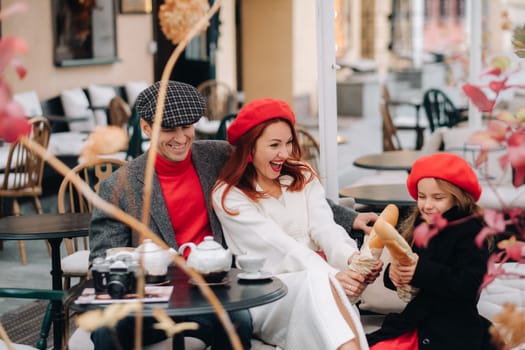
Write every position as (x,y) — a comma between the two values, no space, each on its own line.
(173,144)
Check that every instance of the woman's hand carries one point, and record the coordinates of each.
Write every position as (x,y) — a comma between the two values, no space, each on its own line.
(402,274)
(364,222)
(376,270)
(352,282)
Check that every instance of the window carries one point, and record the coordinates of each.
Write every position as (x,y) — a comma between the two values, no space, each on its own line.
(84,32)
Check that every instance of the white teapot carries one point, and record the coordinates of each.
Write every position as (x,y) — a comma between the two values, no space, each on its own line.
(208,258)
(155,259)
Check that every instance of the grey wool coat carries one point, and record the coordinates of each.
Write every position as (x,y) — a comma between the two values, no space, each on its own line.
(124,188)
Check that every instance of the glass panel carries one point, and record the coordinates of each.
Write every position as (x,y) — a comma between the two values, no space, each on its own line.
(84,32)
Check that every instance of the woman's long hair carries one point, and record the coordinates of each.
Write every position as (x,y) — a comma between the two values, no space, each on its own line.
(239,172)
(462,199)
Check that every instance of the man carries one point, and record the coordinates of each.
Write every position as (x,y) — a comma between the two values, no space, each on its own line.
(185,171)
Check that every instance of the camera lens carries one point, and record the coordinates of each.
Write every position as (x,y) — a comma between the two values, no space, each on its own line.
(118,285)
(116,289)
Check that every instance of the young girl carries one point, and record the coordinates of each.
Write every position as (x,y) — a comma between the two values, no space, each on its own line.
(448,272)
(272,204)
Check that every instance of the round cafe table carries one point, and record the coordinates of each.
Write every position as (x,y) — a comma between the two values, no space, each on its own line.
(379,195)
(53,228)
(391,160)
(186,298)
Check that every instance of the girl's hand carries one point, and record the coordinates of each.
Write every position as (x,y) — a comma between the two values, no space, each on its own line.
(402,274)
(352,282)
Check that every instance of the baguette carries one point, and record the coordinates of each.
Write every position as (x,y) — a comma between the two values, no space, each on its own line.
(395,243)
(391,215)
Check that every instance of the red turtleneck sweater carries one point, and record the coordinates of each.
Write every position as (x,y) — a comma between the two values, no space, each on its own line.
(184,199)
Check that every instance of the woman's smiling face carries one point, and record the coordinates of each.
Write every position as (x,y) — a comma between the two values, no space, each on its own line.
(271,150)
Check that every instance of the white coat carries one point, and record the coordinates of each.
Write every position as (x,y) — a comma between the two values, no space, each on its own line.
(288,231)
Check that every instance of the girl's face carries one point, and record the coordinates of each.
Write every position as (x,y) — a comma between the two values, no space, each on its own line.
(173,144)
(431,199)
(271,150)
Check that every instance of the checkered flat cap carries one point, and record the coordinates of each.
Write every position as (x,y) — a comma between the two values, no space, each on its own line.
(184,105)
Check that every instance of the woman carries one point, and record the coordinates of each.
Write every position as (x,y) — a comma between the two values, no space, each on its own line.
(272,204)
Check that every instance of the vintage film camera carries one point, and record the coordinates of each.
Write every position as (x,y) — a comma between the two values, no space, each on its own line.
(115,275)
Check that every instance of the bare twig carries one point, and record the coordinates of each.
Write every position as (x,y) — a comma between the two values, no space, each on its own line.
(5,337)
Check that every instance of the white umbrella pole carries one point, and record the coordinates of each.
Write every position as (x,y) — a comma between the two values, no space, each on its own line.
(326,68)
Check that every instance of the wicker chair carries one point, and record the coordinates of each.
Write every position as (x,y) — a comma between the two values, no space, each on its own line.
(309,147)
(391,140)
(405,122)
(119,112)
(69,199)
(23,174)
(220,99)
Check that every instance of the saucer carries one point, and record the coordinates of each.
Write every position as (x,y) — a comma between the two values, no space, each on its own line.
(224,282)
(261,275)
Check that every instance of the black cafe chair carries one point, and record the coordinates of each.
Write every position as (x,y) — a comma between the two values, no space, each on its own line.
(440,110)
(40,294)
(225,122)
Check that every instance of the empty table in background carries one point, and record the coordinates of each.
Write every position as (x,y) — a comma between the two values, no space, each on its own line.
(53,228)
(391,160)
(379,195)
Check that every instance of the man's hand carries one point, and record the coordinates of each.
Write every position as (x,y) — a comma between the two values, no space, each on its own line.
(352,282)
(364,222)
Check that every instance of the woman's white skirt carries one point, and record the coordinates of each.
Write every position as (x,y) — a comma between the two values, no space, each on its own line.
(308,316)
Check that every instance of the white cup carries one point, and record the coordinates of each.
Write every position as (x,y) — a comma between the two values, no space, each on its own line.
(250,263)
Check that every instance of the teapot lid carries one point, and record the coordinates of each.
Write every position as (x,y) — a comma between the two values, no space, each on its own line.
(209,244)
(148,246)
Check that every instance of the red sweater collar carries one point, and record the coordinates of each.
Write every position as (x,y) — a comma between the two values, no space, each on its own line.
(166,167)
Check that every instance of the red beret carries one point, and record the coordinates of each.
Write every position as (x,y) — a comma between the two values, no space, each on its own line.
(256,112)
(445,166)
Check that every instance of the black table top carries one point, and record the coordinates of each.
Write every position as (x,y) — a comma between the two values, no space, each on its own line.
(44,226)
(235,294)
(379,195)
(391,160)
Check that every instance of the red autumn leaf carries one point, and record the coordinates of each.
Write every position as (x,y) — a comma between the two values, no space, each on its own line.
(494,219)
(11,129)
(478,98)
(515,213)
(495,223)
(5,94)
(493,71)
(482,235)
(516,251)
(485,139)
(494,269)
(497,130)
(9,46)
(497,86)
(19,68)
(424,232)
